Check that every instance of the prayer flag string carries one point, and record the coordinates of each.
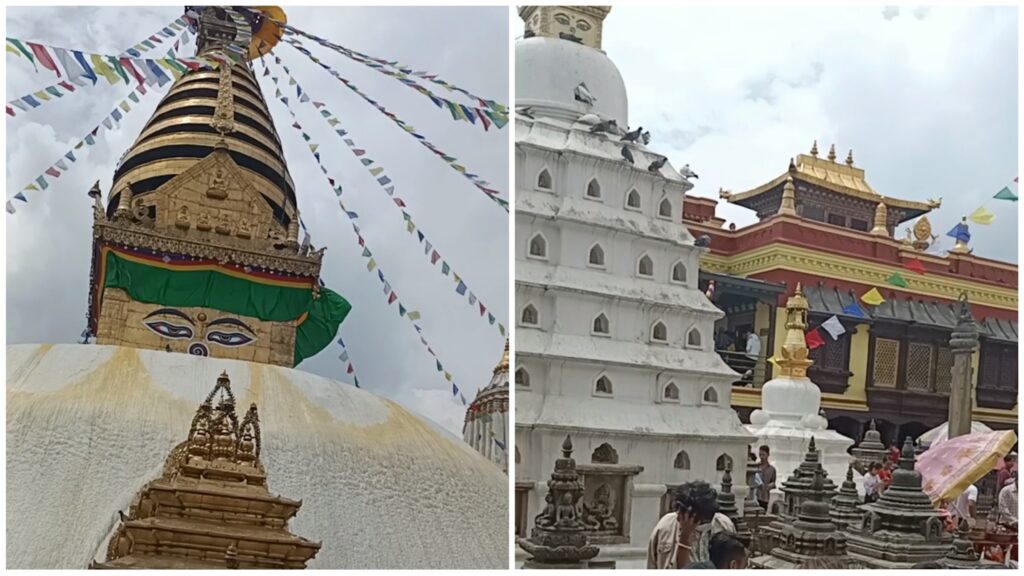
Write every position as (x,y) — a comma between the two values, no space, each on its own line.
(350,368)
(484,186)
(387,186)
(497,115)
(77,70)
(62,164)
(371,264)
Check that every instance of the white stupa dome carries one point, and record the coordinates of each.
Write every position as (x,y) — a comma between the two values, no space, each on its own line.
(88,426)
(548,70)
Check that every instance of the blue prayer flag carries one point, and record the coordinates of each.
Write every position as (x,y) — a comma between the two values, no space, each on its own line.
(960,232)
(853,309)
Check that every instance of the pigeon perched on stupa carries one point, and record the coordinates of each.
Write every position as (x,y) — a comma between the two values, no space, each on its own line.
(627,154)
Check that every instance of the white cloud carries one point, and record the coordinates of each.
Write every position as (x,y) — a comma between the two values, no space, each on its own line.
(48,247)
(928,104)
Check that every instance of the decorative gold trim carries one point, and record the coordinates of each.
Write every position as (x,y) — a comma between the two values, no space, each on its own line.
(201,139)
(786,257)
(197,119)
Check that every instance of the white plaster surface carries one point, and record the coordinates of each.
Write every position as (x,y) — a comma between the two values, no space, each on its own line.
(88,426)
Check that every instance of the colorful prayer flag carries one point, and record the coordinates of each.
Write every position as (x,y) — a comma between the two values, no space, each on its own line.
(872,297)
(961,232)
(834,327)
(982,216)
(914,265)
(896,280)
(813,339)
(1006,194)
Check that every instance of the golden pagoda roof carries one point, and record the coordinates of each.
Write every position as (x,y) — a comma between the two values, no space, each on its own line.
(845,179)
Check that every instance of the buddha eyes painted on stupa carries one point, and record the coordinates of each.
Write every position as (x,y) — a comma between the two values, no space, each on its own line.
(175,324)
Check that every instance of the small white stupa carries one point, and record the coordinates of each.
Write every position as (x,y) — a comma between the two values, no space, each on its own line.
(790,408)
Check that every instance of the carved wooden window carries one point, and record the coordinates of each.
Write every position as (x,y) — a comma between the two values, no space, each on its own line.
(943,370)
(920,363)
(887,360)
(529,315)
(633,200)
(659,333)
(596,257)
(601,325)
(544,180)
(594,189)
(837,220)
(522,378)
(671,392)
(724,461)
(538,246)
(605,454)
(682,461)
(603,386)
(679,272)
(665,208)
(997,379)
(812,212)
(858,224)
(645,266)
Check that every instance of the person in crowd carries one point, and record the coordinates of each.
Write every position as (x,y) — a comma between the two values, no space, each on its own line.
(753,347)
(672,540)
(872,483)
(1009,466)
(767,477)
(725,553)
(885,476)
(719,524)
(1008,502)
(965,506)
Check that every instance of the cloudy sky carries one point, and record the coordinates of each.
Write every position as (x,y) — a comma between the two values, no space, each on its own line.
(925,97)
(48,240)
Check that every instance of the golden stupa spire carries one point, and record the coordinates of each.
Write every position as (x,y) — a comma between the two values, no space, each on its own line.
(503,364)
(792,358)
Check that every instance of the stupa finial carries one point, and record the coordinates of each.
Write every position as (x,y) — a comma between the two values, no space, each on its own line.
(788,205)
(793,357)
(814,149)
(849,158)
(832,153)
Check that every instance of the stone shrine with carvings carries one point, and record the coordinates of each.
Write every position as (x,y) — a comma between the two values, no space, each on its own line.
(811,535)
(797,489)
(845,509)
(558,539)
(870,449)
(902,527)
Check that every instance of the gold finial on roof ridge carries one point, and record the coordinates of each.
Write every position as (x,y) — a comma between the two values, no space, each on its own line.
(788,205)
(793,358)
(849,158)
(832,153)
(881,215)
(814,149)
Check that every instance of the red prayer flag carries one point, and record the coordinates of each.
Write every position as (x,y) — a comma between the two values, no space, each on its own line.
(44,57)
(127,63)
(190,64)
(914,265)
(483,119)
(399,202)
(53,172)
(482,309)
(814,339)
(67,86)
(141,88)
(359,151)
(392,297)
(350,369)
(10,111)
(434,257)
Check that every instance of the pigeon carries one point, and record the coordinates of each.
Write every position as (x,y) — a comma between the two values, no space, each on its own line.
(627,154)
(632,136)
(645,138)
(526,112)
(657,164)
(583,94)
(687,173)
(606,126)
(703,242)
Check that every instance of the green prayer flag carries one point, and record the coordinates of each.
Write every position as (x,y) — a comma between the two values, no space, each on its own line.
(1006,194)
(23,50)
(134,97)
(118,68)
(897,280)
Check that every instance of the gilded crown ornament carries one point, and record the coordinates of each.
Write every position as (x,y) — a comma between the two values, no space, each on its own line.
(794,361)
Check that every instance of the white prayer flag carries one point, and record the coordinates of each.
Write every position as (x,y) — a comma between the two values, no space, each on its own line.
(834,327)
(10,208)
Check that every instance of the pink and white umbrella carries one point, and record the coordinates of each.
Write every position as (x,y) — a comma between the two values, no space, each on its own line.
(950,467)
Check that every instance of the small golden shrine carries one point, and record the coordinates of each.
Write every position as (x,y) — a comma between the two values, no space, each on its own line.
(211,508)
(793,361)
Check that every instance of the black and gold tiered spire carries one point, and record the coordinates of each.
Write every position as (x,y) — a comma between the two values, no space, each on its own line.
(197,249)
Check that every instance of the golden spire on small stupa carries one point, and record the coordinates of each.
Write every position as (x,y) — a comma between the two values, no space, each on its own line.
(849,158)
(814,149)
(832,153)
(792,358)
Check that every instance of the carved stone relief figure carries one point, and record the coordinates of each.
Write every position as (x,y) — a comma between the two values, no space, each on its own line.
(204,221)
(224,224)
(218,186)
(546,519)
(599,514)
(183,220)
(244,229)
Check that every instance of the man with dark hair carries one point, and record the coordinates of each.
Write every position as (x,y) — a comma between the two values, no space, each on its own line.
(872,483)
(672,539)
(727,553)
(765,480)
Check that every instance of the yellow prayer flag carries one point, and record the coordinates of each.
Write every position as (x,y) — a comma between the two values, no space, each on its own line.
(872,297)
(982,216)
(42,95)
(371,264)
(772,360)
(12,50)
(104,70)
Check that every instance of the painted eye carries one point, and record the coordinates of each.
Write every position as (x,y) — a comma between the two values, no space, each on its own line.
(168,330)
(228,338)
(562,19)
